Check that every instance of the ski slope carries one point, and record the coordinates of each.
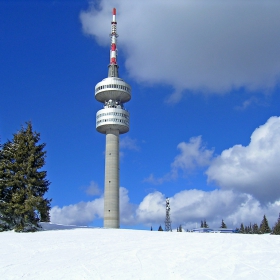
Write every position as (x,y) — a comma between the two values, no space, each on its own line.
(95,253)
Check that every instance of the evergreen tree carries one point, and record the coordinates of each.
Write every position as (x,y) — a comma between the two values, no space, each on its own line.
(151,228)
(22,185)
(201,224)
(264,227)
(160,228)
(205,225)
(250,230)
(276,229)
(242,229)
(223,225)
(180,228)
(255,229)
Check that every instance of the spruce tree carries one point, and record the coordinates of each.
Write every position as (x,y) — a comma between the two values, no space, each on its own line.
(264,227)
(276,229)
(205,225)
(242,230)
(201,224)
(255,229)
(223,225)
(160,228)
(23,184)
(250,230)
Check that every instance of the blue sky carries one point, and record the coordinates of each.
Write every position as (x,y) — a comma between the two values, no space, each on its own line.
(204,113)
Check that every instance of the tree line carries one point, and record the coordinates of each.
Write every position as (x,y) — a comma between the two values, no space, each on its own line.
(22,182)
(253,228)
(249,229)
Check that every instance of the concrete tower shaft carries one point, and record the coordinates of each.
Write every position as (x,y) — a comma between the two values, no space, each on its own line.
(111,188)
(112,120)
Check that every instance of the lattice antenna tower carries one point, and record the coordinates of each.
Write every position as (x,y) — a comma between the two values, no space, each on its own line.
(167,216)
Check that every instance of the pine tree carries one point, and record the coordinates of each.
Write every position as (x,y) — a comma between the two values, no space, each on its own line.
(205,225)
(264,227)
(160,228)
(223,225)
(4,194)
(255,229)
(22,185)
(250,230)
(180,228)
(242,230)
(201,224)
(276,229)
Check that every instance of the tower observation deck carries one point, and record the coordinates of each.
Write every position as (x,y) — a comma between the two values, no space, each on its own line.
(112,120)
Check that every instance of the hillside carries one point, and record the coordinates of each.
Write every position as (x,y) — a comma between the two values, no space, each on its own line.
(89,253)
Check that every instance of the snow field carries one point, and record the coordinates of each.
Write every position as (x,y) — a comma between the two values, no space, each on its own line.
(88,253)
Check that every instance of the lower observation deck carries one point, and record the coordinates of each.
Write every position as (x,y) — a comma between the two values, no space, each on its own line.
(112,118)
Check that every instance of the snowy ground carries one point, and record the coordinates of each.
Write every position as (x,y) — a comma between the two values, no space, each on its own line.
(88,253)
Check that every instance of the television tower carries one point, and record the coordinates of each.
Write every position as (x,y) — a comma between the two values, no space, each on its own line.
(112,120)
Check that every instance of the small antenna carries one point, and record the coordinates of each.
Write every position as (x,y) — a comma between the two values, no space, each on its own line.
(167,216)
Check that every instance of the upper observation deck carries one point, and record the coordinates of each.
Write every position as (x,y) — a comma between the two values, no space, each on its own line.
(112,88)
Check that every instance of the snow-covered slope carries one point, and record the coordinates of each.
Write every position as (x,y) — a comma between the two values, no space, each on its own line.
(88,253)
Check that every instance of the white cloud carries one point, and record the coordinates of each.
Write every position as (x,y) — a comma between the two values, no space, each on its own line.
(81,213)
(192,155)
(189,207)
(84,213)
(127,209)
(130,144)
(208,46)
(158,181)
(254,168)
(151,209)
(93,189)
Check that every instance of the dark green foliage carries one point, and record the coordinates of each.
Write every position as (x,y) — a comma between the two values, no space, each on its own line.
(264,227)
(242,229)
(160,228)
(22,185)
(248,229)
(205,225)
(276,229)
(223,225)
(255,229)
(180,228)
(201,224)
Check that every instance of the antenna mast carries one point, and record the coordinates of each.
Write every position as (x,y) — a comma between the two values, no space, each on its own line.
(167,216)
(113,66)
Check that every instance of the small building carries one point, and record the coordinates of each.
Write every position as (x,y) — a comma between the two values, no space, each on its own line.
(217,230)
(202,230)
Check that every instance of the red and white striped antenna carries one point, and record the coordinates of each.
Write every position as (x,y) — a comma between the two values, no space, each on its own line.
(114,35)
